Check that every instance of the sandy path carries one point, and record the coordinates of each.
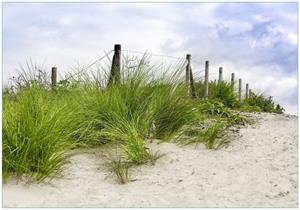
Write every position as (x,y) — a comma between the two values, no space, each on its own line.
(257,169)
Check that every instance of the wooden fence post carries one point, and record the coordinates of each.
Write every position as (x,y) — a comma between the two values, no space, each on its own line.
(220,74)
(247,91)
(115,73)
(53,77)
(232,82)
(188,74)
(232,79)
(240,89)
(250,93)
(206,83)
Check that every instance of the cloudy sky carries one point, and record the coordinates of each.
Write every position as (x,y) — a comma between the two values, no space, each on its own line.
(257,41)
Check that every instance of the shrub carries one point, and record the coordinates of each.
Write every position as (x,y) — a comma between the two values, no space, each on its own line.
(213,107)
(266,104)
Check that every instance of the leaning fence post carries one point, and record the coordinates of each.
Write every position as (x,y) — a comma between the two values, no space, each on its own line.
(240,89)
(247,90)
(53,77)
(220,74)
(206,79)
(115,73)
(188,74)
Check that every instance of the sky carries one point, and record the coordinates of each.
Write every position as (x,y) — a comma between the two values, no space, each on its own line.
(256,41)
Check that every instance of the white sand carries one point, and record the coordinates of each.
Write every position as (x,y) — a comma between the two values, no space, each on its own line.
(257,169)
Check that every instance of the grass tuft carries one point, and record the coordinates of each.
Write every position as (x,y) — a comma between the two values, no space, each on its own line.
(152,157)
(120,169)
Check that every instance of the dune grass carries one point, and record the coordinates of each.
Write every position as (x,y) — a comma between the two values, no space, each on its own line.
(120,169)
(40,125)
(36,132)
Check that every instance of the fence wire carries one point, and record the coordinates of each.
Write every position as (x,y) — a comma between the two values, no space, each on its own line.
(90,65)
(196,64)
(154,54)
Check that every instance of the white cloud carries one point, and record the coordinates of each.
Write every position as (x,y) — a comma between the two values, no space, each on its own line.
(292,38)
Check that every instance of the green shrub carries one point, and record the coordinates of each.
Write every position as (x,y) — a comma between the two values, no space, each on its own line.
(266,104)
(279,109)
(213,107)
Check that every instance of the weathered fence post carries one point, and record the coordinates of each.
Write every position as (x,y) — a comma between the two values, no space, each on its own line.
(115,73)
(206,83)
(190,84)
(232,82)
(188,74)
(240,89)
(247,90)
(220,74)
(232,79)
(53,77)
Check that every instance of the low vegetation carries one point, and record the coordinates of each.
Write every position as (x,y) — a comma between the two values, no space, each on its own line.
(41,124)
(120,169)
(260,103)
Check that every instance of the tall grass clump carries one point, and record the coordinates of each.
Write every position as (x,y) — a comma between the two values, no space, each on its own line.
(126,113)
(224,92)
(36,132)
(172,111)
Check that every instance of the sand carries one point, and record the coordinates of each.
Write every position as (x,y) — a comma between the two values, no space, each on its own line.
(257,169)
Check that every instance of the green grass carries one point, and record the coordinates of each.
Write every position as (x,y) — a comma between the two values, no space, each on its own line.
(41,125)
(224,93)
(120,169)
(36,132)
(259,102)
(209,135)
(152,157)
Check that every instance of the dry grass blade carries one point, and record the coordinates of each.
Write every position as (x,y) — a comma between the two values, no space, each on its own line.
(120,169)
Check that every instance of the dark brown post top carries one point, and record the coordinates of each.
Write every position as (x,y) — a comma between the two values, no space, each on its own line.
(117,47)
(206,63)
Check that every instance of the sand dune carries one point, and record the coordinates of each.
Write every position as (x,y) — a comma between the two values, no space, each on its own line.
(257,169)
